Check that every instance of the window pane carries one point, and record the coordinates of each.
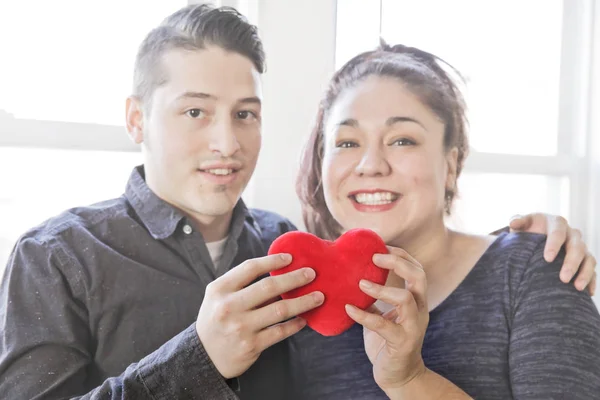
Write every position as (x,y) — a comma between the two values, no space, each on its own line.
(487,201)
(508,53)
(357,28)
(72,60)
(37,184)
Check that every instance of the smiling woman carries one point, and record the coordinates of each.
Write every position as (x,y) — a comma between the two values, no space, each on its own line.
(355,153)
(533,146)
(410,133)
(462,315)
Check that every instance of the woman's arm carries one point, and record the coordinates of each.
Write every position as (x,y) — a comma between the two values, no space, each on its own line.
(428,386)
(578,260)
(555,336)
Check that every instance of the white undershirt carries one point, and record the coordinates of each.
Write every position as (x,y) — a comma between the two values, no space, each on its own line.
(215,250)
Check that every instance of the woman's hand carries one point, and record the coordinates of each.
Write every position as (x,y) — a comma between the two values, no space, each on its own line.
(393,340)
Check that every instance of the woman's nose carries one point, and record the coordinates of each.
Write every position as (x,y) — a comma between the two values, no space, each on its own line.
(373,163)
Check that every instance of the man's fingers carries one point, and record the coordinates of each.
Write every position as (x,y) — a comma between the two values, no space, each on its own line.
(520,222)
(250,270)
(273,286)
(270,301)
(285,309)
(276,333)
(575,255)
(586,273)
(557,232)
(593,285)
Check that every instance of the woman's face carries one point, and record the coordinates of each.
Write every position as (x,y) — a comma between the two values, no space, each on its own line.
(384,166)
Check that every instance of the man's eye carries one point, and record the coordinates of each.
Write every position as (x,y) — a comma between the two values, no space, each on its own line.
(246,115)
(403,142)
(195,113)
(346,145)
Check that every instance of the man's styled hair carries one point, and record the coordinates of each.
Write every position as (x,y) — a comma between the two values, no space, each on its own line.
(193,28)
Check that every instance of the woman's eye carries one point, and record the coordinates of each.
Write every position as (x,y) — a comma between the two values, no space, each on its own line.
(195,113)
(403,142)
(246,115)
(346,145)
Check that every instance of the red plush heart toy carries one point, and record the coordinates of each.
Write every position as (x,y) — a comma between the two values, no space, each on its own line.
(339,266)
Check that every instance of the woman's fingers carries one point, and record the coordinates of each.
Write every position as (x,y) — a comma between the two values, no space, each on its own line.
(391,332)
(408,269)
(402,299)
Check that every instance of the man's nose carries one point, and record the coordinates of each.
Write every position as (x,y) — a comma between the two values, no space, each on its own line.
(223,139)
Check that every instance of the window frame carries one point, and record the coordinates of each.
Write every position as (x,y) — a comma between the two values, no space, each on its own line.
(577,136)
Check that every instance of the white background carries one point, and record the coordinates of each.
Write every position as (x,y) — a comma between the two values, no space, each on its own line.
(66,67)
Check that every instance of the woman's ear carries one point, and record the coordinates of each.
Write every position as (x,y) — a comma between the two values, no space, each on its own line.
(452,168)
(134,118)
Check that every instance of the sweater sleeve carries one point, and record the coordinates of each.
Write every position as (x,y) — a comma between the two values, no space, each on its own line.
(554,350)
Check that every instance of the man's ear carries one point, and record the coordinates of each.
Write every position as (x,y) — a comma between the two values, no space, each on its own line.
(134,118)
(452,166)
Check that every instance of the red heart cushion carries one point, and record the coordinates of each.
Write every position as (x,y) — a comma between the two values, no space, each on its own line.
(339,266)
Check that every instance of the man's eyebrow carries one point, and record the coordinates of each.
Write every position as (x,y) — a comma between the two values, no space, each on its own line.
(196,95)
(250,100)
(207,96)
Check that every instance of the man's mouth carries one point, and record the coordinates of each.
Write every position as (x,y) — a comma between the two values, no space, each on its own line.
(220,174)
(219,171)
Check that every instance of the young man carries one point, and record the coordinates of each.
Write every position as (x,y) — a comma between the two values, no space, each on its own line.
(102,301)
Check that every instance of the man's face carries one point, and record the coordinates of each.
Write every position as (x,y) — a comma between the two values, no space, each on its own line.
(201,135)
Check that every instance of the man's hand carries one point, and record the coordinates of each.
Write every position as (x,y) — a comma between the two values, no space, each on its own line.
(559,233)
(237,322)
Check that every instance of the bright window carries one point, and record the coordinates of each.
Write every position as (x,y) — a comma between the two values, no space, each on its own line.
(72,60)
(40,183)
(67,67)
(495,197)
(526,89)
(512,70)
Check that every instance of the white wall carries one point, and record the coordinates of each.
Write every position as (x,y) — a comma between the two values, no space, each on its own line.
(299,38)
(295,33)
(593,149)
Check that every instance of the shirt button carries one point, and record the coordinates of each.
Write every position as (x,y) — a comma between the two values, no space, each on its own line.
(187,229)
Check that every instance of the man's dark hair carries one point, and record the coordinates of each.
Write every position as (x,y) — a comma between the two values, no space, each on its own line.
(194,28)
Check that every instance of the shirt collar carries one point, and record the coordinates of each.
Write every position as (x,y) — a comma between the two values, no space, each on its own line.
(241,215)
(161,219)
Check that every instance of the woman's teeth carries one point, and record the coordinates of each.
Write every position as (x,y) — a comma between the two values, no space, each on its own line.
(220,171)
(375,199)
